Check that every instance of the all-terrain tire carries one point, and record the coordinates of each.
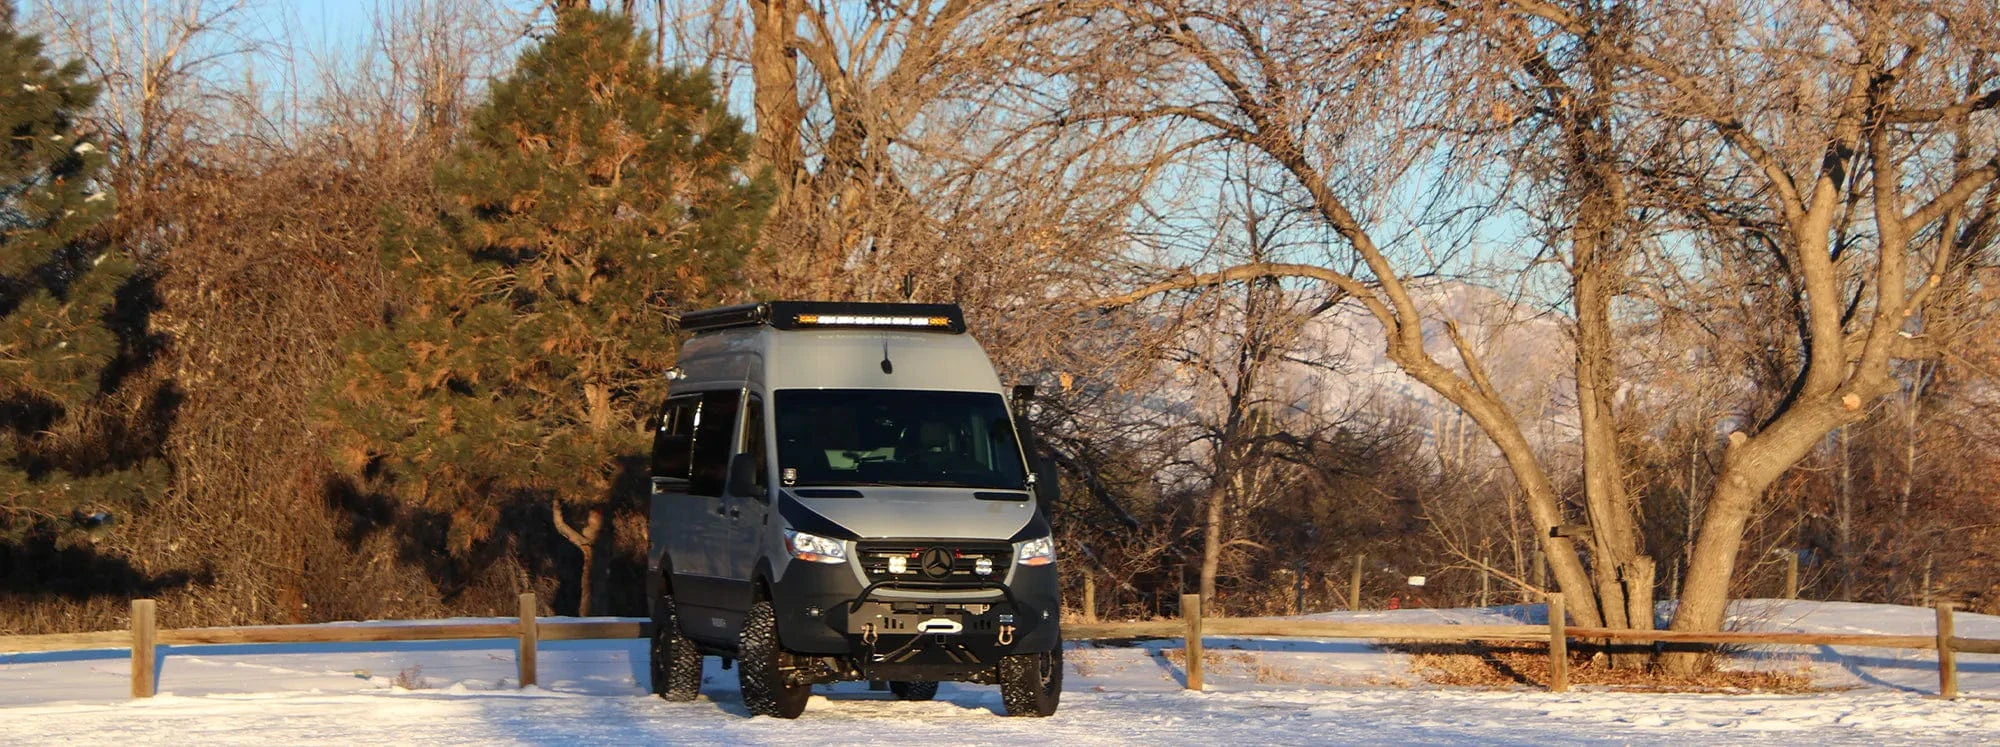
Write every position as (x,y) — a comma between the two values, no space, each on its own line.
(676,665)
(761,664)
(1031,684)
(914,690)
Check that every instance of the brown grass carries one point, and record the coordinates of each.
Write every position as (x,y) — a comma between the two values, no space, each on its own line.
(1501,664)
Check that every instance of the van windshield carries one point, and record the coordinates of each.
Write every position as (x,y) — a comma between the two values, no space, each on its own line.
(896,437)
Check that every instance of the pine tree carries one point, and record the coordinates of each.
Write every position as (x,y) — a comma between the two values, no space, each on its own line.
(593,196)
(59,284)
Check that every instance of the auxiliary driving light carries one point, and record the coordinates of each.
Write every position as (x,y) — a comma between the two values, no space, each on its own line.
(984,566)
(899,564)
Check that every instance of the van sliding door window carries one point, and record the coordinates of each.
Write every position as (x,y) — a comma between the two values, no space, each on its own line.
(753,437)
(673,441)
(714,442)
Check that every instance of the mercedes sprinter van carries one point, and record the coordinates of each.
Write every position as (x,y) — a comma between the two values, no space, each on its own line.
(840,491)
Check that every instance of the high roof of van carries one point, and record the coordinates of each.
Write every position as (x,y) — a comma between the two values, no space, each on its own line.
(832,345)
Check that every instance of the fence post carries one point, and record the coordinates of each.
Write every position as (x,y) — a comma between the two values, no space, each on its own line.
(529,637)
(1791,574)
(1558,645)
(1947,659)
(143,635)
(1089,597)
(1191,612)
(1354,583)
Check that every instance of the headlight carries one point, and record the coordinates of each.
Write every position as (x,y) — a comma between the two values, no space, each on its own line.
(1038,551)
(813,548)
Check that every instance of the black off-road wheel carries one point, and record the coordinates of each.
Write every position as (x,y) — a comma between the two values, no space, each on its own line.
(914,690)
(762,665)
(1031,684)
(676,665)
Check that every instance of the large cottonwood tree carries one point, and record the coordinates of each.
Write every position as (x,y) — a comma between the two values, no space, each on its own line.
(1865,175)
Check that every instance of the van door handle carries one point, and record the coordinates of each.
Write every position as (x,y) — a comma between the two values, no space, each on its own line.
(735,512)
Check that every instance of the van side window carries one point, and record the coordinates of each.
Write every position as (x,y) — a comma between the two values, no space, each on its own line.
(673,438)
(753,436)
(714,442)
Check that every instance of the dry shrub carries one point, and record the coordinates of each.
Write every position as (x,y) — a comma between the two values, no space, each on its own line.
(411,678)
(1506,664)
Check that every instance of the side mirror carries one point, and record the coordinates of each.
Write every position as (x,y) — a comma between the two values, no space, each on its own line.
(1046,481)
(1023,394)
(743,477)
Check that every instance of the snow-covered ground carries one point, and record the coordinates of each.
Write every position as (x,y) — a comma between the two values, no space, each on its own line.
(1260,692)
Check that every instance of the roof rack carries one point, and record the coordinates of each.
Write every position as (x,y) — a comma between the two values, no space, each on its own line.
(916,317)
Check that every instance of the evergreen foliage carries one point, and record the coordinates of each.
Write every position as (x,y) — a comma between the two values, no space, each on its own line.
(59,288)
(592,197)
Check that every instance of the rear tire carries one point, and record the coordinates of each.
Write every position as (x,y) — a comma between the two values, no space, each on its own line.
(761,667)
(914,690)
(1031,684)
(676,665)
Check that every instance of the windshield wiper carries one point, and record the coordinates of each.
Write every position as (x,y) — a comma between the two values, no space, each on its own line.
(948,484)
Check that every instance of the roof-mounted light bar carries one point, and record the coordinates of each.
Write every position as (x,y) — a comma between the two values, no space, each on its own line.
(855,320)
(929,317)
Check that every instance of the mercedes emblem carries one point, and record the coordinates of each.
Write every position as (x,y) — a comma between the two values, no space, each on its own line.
(936,562)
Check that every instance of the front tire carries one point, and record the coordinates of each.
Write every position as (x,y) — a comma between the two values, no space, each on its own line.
(914,690)
(762,664)
(676,665)
(1031,684)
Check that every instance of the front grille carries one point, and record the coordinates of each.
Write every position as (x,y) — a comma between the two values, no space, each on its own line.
(965,557)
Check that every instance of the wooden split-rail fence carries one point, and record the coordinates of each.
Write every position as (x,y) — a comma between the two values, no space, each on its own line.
(145,637)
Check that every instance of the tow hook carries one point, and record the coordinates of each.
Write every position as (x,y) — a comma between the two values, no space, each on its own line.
(1006,635)
(868,634)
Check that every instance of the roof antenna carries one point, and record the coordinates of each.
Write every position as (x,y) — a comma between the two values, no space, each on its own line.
(887,367)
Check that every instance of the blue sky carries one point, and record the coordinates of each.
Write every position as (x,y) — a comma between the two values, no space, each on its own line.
(337,23)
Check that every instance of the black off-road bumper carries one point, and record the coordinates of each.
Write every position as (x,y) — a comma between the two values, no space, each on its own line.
(930,632)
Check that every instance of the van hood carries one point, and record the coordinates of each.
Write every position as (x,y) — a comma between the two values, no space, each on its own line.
(916,513)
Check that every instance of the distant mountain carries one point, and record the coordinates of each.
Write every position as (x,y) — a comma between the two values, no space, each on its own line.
(1338,367)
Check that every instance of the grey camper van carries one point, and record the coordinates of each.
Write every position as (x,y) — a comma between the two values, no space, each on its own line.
(840,492)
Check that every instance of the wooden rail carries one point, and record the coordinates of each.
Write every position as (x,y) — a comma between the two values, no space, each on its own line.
(527,633)
(23,644)
(1260,627)
(1741,637)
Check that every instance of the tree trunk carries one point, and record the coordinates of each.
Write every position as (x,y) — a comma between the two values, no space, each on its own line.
(584,587)
(1597,270)
(1749,468)
(1614,541)
(1705,596)
(597,404)
(1538,492)
(585,542)
(1640,577)
(1211,542)
(774,70)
